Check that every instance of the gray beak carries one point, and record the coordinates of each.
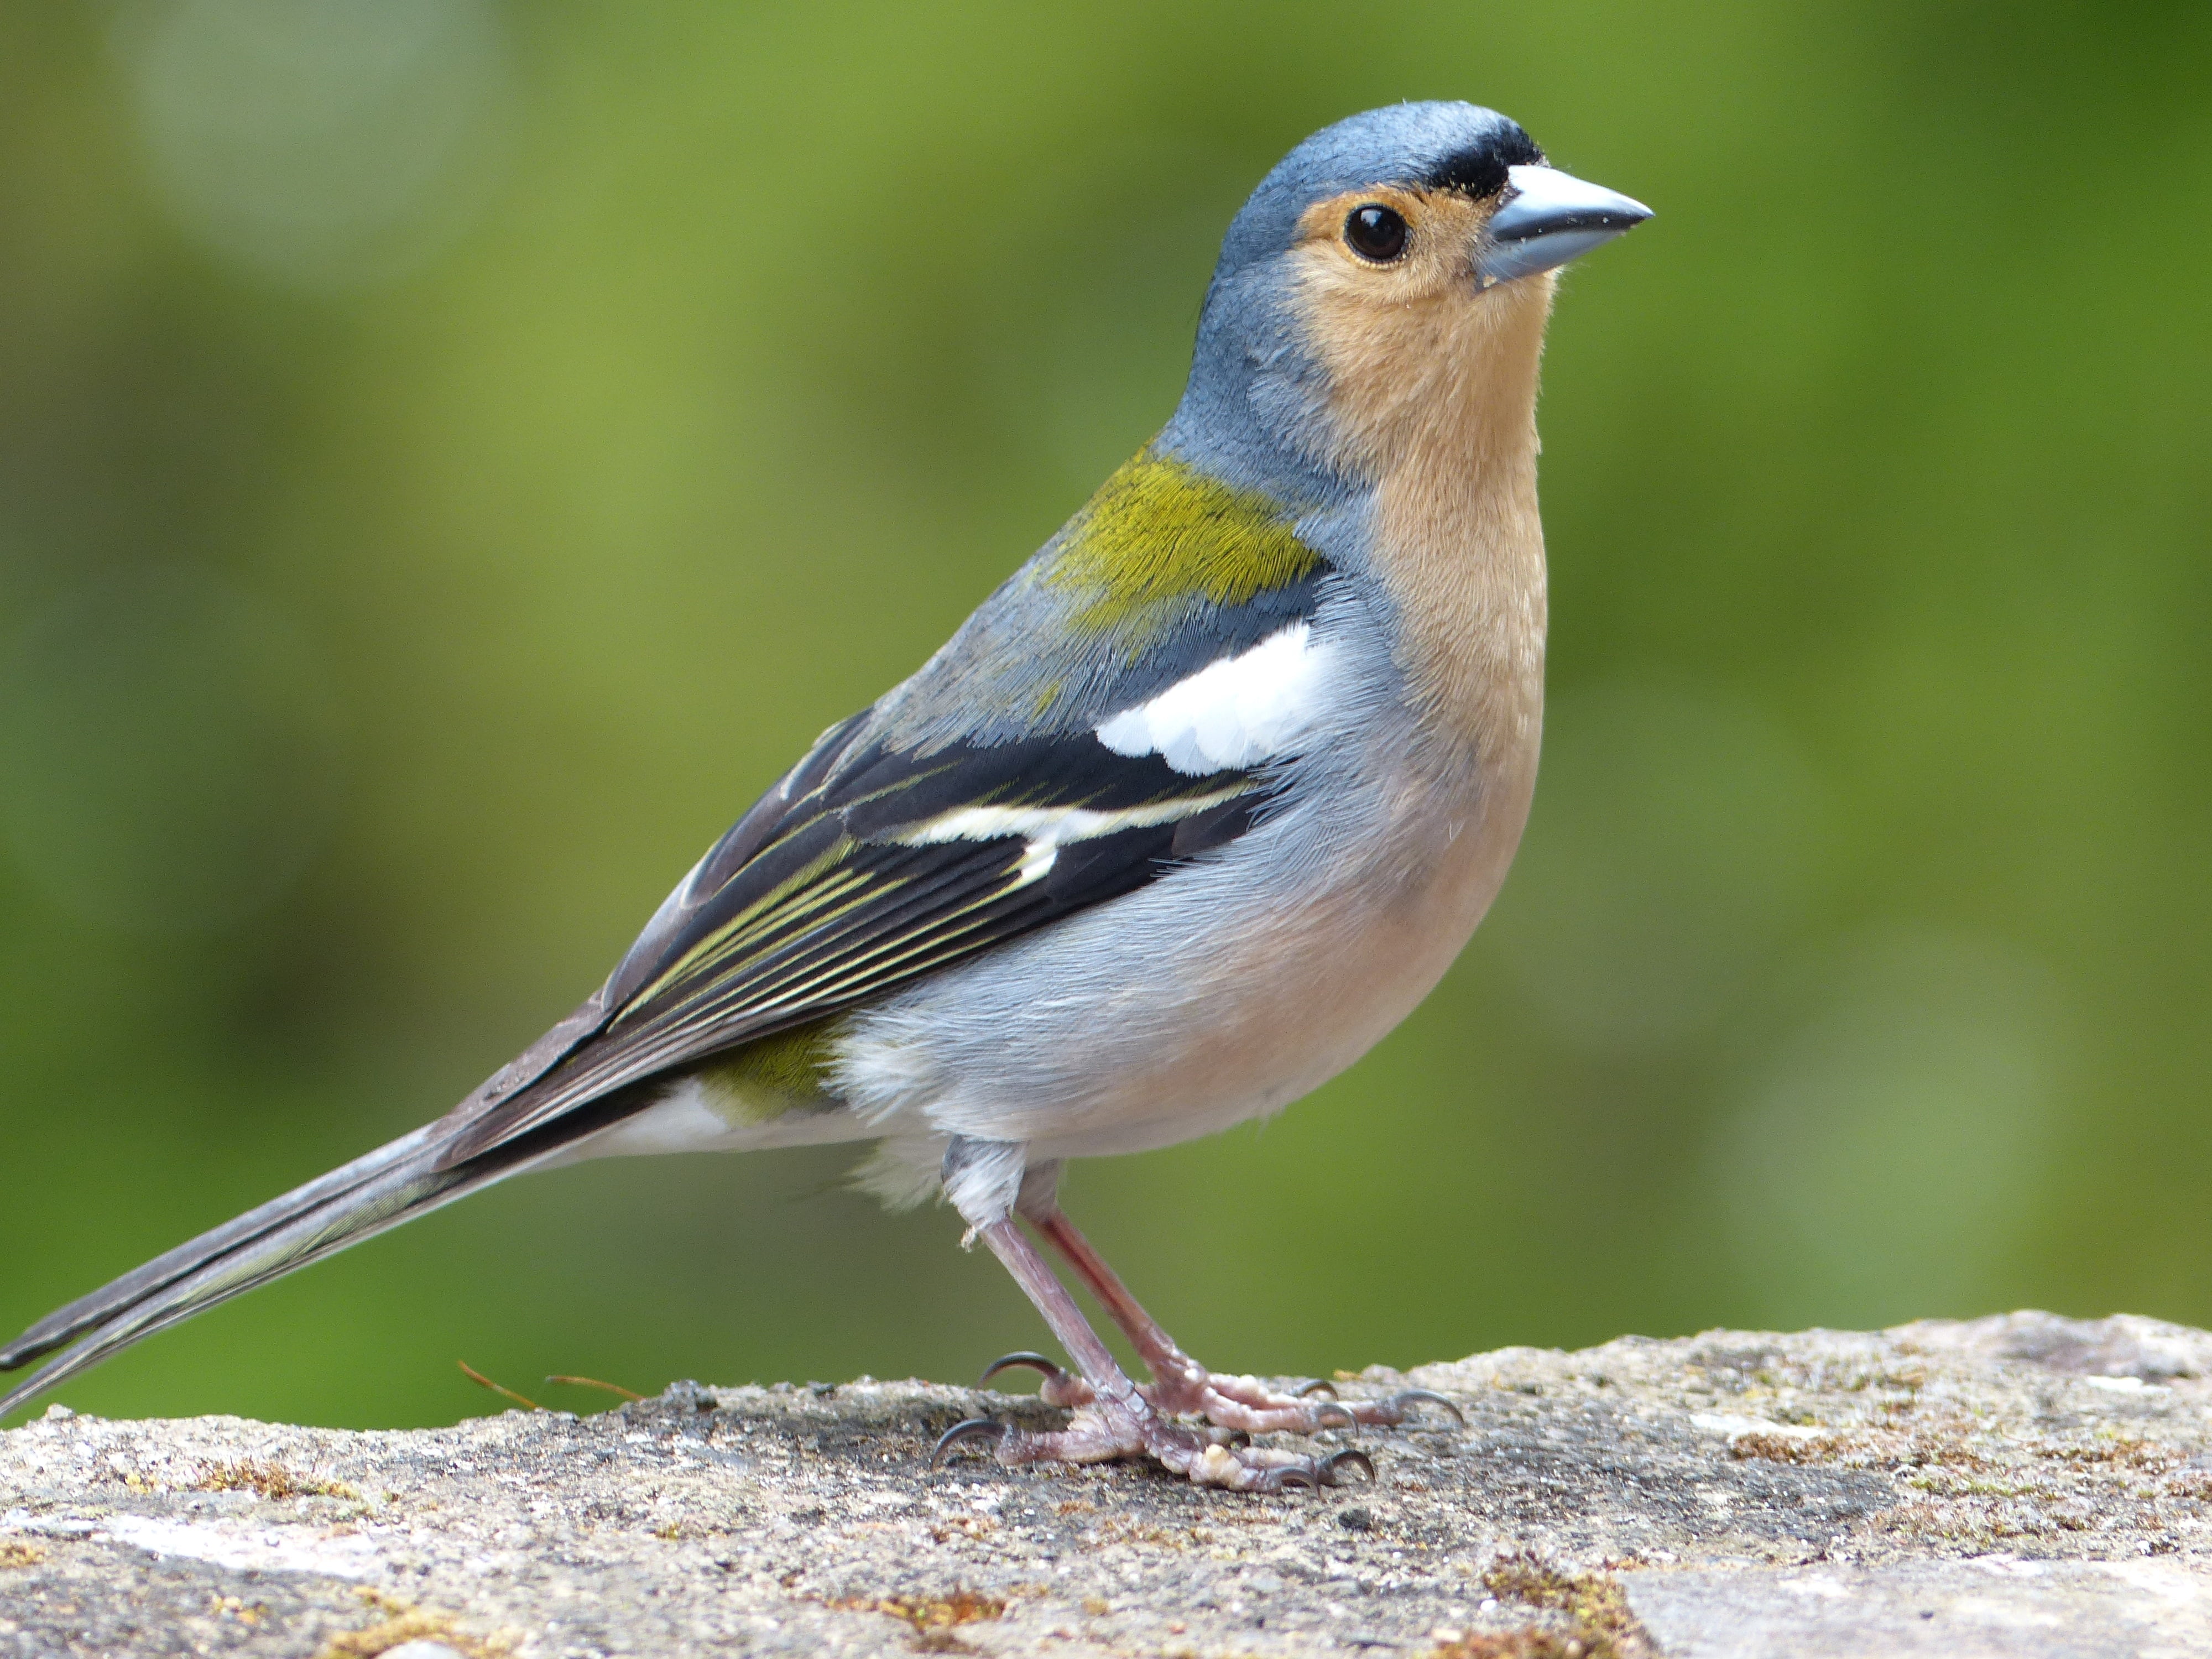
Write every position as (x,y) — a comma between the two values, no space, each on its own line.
(1547,218)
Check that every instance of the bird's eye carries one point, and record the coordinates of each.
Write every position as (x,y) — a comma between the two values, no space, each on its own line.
(1375,233)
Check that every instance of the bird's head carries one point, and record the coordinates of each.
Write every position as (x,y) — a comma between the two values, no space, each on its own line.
(1384,289)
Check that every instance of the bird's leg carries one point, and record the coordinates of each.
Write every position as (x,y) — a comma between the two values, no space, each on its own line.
(1181,1385)
(1119,1421)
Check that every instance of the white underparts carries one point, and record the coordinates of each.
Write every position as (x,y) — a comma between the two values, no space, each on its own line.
(704,1115)
(683,1122)
(1233,714)
(983,1178)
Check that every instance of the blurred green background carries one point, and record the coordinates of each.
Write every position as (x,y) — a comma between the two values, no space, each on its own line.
(452,458)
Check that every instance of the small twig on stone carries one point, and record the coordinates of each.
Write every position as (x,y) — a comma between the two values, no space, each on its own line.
(595,1383)
(477,1376)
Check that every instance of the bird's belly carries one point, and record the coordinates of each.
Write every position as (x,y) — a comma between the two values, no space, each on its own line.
(1318,994)
(1293,1029)
(1205,999)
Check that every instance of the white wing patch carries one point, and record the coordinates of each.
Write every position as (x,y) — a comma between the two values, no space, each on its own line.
(1047,829)
(1232,714)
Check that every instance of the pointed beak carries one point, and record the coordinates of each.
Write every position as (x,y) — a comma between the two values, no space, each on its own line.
(1546,218)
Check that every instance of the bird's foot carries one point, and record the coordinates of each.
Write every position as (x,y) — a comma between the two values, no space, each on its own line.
(1103,1433)
(1060,1387)
(1183,1387)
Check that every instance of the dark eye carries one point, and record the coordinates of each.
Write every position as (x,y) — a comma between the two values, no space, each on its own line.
(1375,233)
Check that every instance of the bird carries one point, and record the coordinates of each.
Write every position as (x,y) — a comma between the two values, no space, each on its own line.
(1184,819)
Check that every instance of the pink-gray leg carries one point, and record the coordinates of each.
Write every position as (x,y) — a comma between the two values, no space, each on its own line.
(1182,1385)
(1119,1421)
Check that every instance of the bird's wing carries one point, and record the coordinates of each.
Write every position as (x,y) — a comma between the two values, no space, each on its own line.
(870,865)
(1126,701)
(867,868)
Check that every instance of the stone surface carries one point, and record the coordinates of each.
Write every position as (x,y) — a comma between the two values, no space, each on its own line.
(2011,1486)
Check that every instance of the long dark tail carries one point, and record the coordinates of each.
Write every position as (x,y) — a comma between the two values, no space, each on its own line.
(410,1176)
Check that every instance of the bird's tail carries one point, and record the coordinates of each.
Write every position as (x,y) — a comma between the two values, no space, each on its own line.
(395,1183)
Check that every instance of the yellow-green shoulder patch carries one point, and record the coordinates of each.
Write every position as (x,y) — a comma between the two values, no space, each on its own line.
(1157,534)
(760,1081)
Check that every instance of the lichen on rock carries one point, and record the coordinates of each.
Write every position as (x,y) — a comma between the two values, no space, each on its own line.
(1939,1488)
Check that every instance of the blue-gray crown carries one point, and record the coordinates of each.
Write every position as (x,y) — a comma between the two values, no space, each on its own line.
(1433,146)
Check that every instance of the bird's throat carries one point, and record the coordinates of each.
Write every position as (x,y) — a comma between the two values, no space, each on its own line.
(1436,404)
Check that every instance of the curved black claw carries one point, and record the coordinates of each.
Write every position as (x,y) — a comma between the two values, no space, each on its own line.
(1358,1460)
(1406,1397)
(974,1428)
(1284,1480)
(1007,1361)
(1307,1390)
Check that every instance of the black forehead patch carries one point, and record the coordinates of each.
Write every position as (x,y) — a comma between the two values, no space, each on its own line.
(1478,168)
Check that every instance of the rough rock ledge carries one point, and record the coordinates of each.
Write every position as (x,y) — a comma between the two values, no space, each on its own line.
(2022,1485)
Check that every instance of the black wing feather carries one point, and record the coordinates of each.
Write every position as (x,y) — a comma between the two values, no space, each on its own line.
(829,893)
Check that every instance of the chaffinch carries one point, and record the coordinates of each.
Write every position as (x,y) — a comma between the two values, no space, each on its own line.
(1187,816)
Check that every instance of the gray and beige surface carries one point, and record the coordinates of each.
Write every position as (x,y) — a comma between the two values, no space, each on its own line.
(2024,1486)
